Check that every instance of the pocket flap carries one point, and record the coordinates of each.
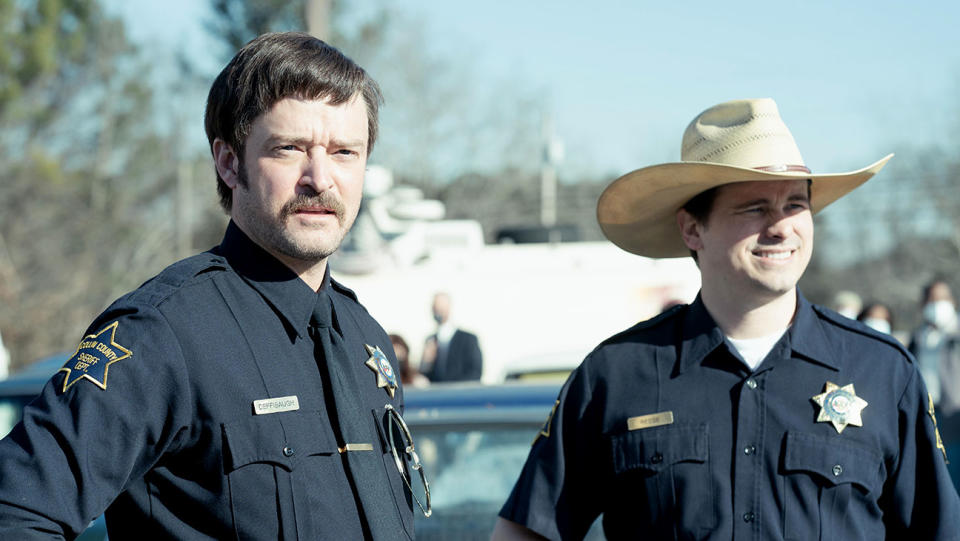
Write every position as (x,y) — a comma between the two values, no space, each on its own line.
(280,439)
(654,449)
(834,460)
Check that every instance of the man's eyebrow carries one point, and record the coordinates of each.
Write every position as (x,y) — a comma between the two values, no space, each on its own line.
(349,143)
(307,141)
(286,139)
(752,203)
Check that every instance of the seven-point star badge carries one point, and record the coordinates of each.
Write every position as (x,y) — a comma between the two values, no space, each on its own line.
(378,362)
(840,406)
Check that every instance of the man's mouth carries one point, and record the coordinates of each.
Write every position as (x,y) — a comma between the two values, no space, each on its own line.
(315,210)
(774,254)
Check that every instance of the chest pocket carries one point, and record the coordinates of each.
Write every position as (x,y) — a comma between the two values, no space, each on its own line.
(833,482)
(280,450)
(672,464)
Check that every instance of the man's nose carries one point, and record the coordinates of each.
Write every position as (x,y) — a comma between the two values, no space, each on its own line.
(316,173)
(778,225)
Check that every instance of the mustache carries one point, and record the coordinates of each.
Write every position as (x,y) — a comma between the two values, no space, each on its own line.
(323,199)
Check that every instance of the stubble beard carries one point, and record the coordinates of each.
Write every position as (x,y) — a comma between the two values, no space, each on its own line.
(276,234)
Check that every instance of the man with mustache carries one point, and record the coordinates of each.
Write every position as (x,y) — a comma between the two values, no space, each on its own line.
(750,413)
(241,393)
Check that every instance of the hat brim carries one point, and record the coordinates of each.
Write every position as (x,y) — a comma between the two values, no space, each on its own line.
(637,211)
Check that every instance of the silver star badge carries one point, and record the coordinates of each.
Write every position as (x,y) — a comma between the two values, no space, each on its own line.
(840,406)
(378,362)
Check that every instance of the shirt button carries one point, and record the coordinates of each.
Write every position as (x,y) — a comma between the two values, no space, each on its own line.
(749,450)
(288,451)
(657,458)
(752,383)
(837,470)
(748,517)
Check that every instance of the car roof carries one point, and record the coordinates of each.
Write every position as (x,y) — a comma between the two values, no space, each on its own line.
(475,403)
(43,367)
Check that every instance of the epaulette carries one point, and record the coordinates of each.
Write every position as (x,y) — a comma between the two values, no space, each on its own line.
(656,320)
(176,275)
(859,328)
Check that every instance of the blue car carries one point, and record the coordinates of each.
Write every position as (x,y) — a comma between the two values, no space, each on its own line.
(472,440)
(16,392)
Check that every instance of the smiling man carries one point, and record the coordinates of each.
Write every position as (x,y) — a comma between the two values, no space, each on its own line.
(248,392)
(750,413)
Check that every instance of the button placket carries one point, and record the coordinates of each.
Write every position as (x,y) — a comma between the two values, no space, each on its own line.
(748,466)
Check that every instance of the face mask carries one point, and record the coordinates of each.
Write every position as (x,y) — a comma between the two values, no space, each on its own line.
(877,324)
(942,314)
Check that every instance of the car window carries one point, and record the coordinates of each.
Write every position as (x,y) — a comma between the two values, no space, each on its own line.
(471,473)
(11,411)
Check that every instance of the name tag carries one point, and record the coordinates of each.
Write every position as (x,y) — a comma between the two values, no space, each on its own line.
(276,405)
(650,421)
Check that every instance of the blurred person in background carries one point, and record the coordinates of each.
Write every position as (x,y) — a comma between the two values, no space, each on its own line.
(877,316)
(750,413)
(247,388)
(936,345)
(847,304)
(939,312)
(450,354)
(948,410)
(408,374)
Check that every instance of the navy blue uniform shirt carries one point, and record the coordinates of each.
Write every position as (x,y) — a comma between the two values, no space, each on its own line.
(666,432)
(194,409)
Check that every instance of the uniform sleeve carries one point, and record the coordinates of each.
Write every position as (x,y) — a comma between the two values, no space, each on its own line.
(98,425)
(558,494)
(920,501)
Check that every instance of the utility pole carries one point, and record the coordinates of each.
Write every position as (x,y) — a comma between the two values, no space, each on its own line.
(318,18)
(551,157)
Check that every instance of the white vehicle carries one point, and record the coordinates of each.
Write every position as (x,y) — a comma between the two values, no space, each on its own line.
(538,306)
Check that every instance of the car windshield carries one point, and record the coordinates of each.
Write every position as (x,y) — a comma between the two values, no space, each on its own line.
(471,473)
(11,411)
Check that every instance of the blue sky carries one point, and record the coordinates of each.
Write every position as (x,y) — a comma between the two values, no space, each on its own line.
(853,80)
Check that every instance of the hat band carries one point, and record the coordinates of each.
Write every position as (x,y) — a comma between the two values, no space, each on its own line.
(783,168)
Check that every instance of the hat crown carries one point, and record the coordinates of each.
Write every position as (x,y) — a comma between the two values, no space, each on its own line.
(742,133)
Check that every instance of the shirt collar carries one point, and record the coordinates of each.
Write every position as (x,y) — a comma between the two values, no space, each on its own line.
(288,295)
(808,338)
(701,335)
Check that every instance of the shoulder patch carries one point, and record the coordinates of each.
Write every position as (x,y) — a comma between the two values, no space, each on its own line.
(93,357)
(859,328)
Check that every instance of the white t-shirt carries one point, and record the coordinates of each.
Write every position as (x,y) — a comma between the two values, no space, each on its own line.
(754,350)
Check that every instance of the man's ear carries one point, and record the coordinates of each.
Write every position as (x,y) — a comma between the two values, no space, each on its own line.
(227,162)
(690,230)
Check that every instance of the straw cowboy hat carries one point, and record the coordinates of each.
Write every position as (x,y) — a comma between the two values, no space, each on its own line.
(736,141)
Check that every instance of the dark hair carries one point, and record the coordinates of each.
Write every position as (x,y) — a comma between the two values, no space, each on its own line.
(699,207)
(271,68)
(937,280)
(865,312)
